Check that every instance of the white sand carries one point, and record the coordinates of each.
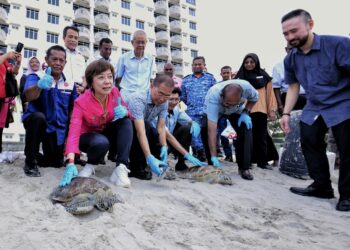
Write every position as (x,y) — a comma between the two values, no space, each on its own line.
(259,214)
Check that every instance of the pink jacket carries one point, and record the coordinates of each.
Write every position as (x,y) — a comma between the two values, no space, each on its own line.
(88,116)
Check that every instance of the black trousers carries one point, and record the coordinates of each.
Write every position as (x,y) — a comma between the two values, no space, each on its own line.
(314,149)
(259,153)
(137,157)
(243,144)
(35,126)
(301,101)
(182,133)
(116,138)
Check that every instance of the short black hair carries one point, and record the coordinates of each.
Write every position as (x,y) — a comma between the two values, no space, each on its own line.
(65,30)
(177,90)
(295,13)
(55,47)
(105,40)
(226,67)
(163,79)
(198,58)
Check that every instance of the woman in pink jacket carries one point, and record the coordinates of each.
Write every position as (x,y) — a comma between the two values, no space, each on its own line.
(100,122)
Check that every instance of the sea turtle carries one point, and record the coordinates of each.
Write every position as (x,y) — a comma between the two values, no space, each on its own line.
(205,174)
(83,194)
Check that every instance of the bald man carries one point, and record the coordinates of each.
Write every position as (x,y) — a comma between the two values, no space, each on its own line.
(232,99)
(135,68)
(169,70)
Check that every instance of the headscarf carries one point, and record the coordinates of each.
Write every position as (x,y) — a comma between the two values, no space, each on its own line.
(39,72)
(256,77)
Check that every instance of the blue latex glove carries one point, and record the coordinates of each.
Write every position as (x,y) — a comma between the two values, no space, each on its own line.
(158,167)
(215,162)
(46,81)
(194,160)
(195,129)
(164,154)
(246,119)
(120,111)
(70,172)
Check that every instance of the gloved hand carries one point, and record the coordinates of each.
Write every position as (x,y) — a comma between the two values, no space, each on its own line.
(120,111)
(46,81)
(195,129)
(155,164)
(70,172)
(164,154)
(246,119)
(215,162)
(194,160)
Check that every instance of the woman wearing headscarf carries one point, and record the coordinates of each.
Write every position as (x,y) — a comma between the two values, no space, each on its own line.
(264,109)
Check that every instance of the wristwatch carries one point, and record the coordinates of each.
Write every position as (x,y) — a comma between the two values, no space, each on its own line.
(247,111)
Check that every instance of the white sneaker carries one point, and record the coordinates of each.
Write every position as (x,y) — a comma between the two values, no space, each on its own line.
(120,177)
(87,171)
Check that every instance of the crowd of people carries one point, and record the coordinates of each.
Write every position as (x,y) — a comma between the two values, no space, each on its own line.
(124,109)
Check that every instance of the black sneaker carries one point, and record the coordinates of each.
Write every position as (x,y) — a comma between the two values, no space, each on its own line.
(31,171)
(142,175)
(245,174)
(229,158)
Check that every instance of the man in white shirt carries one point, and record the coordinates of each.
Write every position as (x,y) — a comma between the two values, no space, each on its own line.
(105,49)
(75,66)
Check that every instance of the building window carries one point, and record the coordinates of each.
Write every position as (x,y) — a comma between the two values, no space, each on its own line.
(22,138)
(51,18)
(32,14)
(8,136)
(54,2)
(125,50)
(31,33)
(126,20)
(193,25)
(192,12)
(29,52)
(126,36)
(125,5)
(140,24)
(194,53)
(193,39)
(193,2)
(52,38)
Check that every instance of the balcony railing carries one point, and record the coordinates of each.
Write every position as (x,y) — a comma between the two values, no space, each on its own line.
(84,50)
(176,55)
(161,22)
(174,1)
(102,4)
(162,52)
(83,2)
(176,40)
(84,34)
(178,70)
(102,20)
(160,67)
(161,7)
(82,15)
(175,26)
(3,15)
(175,11)
(99,35)
(3,36)
(162,36)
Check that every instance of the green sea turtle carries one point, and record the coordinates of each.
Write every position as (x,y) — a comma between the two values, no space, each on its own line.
(205,174)
(83,194)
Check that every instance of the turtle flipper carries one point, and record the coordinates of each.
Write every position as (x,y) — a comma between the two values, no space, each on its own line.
(81,204)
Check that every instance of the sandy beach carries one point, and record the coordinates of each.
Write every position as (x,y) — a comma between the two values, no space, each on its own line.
(177,214)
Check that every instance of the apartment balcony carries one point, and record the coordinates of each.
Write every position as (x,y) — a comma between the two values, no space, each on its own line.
(82,15)
(176,55)
(3,36)
(160,67)
(174,1)
(3,15)
(83,2)
(102,4)
(102,21)
(175,11)
(162,36)
(161,7)
(162,53)
(176,40)
(161,22)
(84,34)
(84,50)
(175,26)
(99,35)
(178,70)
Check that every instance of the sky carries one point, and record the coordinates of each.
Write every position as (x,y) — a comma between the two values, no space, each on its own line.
(230,29)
